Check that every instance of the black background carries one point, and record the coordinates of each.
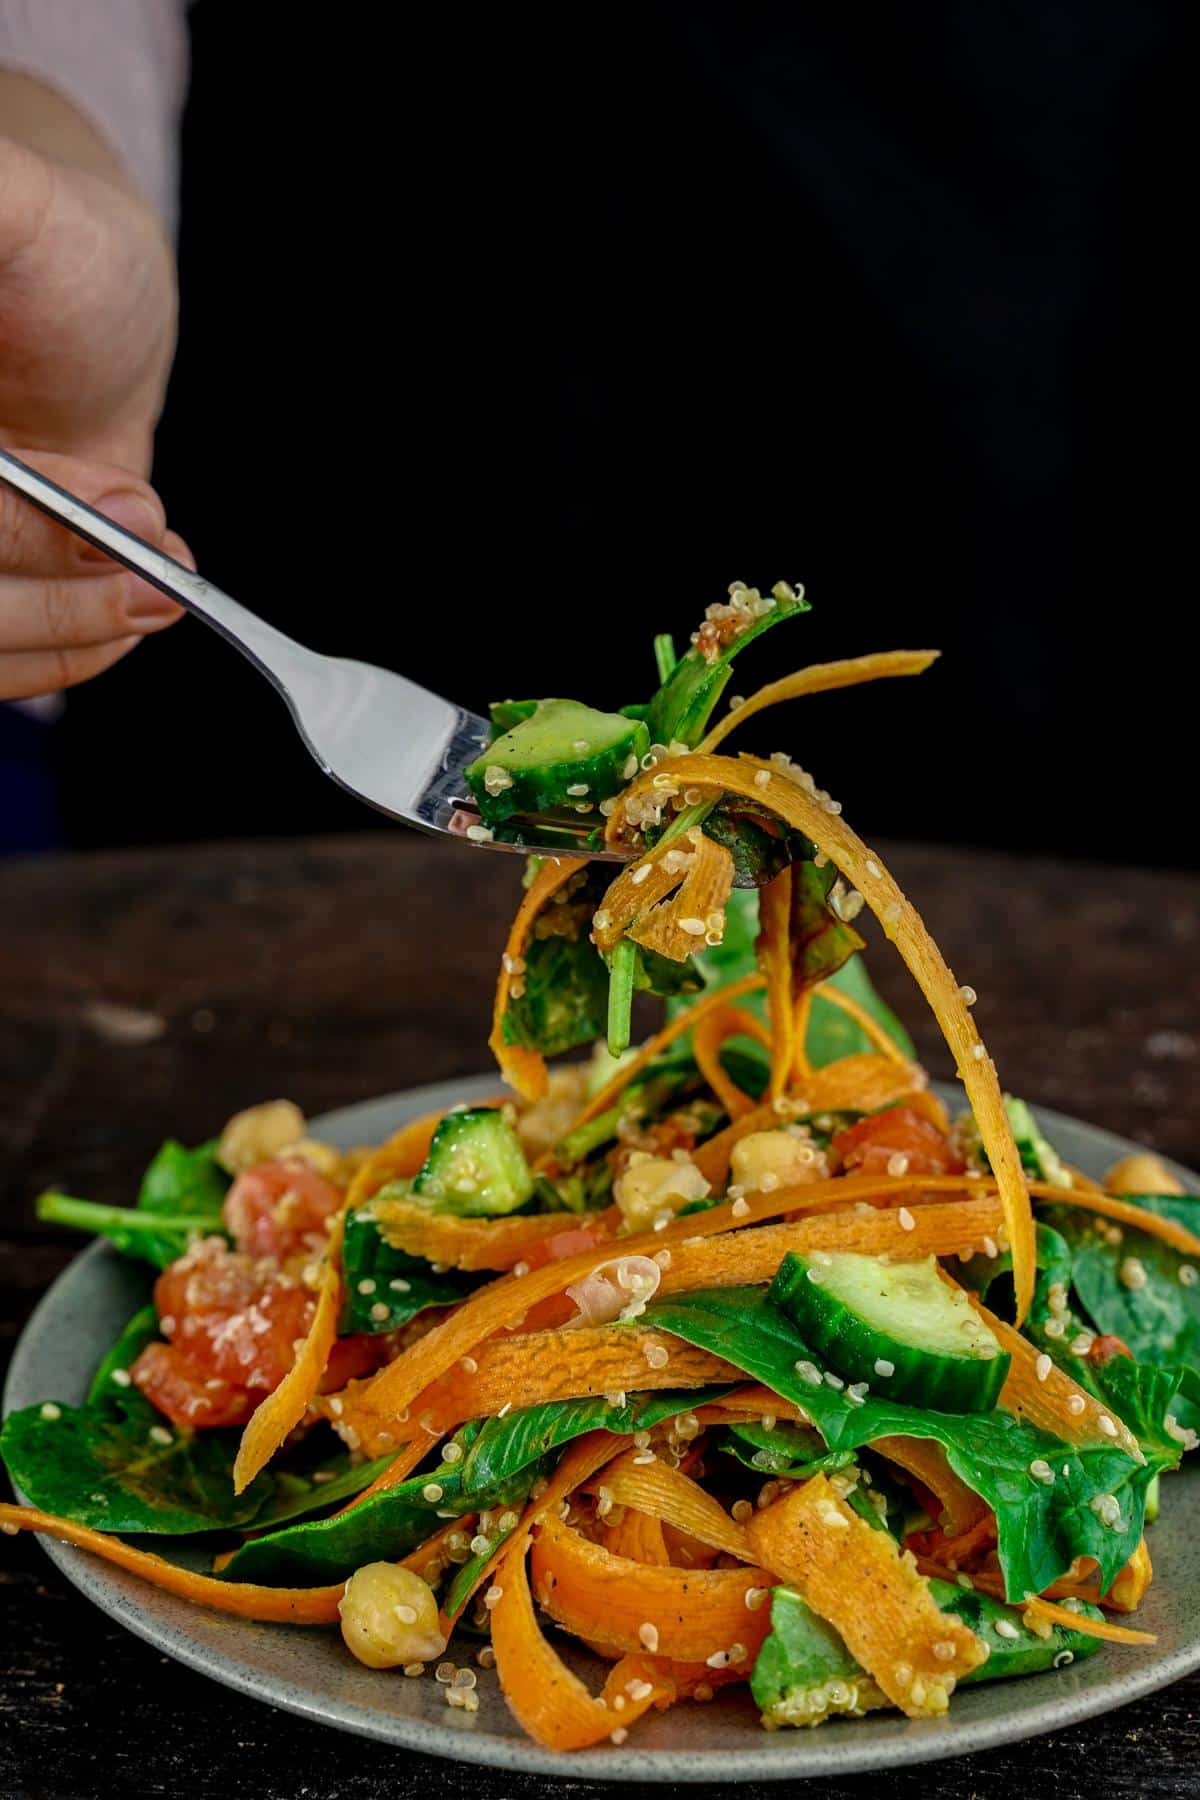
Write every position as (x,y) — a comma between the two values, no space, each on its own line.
(511,336)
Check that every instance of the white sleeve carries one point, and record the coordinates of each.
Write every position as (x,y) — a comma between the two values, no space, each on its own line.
(123,64)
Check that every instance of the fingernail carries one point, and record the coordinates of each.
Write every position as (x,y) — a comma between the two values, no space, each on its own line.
(134,513)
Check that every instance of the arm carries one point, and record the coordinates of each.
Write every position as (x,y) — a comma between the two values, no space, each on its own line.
(83,369)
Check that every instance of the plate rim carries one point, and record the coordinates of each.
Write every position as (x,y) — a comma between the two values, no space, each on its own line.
(773,1758)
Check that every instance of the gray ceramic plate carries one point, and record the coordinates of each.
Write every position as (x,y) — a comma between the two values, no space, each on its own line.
(307,1671)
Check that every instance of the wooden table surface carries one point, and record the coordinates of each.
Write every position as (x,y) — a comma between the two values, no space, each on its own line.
(148,994)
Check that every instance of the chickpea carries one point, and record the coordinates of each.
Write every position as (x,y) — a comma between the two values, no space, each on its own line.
(769,1159)
(654,1185)
(258,1134)
(322,1157)
(1142,1173)
(390,1617)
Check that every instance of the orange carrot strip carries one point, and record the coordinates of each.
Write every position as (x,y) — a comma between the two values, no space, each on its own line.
(743,1258)
(638,1537)
(525,1070)
(857,1579)
(686,1614)
(579,1463)
(283,1409)
(775,961)
(801,1018)
(1047,1610)
(401,1466)
(664,1494)
(712,1031)
(699,898)
(1128,1588)
(903,925)
(498,1304)
(524,1370)
(1053,1403)
(477,1243)
(820,678)
(545,1697)
(245,1600)
(962,1509)
(846,1003)
(1138,1217)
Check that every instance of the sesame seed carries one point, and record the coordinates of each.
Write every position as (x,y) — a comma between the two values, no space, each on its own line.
(809,1372)
(1054,1328)
(469,1365)
(978,1051)
(990,1247)
(657,1355)
(493,1597)
(1188,1274)
(158,1434)
(1042,1366)
(1041,1470)
(414,1669)
(1076,1404)
(944,1650)
(1006,1629)
(380,1311)
(967,995)
(1082,1344)
(432,1491)
(648,1636)
(763,778)
(897,1164)
(50,1411)
(1132,1273)
(479,834)
(1063,1658)
(1107,1426)
(618,1736)
(693,927)
(640,874)
(833,1381)
(400,1286)
(367,1286)
(577,789)
(740,1209)
(122,1377)
(742,1510)
(452,1453)
(907,1222)
(884,1367)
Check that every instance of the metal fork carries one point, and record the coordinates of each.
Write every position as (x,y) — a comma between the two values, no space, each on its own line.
(381,737)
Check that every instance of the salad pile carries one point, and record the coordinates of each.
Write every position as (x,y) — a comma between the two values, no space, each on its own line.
(732,1357)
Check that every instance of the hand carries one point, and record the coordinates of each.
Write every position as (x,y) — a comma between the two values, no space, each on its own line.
(87,331)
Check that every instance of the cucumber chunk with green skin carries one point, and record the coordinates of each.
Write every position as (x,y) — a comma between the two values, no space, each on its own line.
(897,1326)
(475,1166)
(804,1673)
(563,755)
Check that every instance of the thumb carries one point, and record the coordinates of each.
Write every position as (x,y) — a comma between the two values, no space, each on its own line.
(26,190)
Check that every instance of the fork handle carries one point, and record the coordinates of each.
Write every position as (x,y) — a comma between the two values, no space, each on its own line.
(271,651)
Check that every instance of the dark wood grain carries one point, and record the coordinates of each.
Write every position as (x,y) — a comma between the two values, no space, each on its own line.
(151,994)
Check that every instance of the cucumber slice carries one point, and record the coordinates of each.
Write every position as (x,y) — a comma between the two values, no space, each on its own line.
(564,755)
(895,1325)
(475,1166)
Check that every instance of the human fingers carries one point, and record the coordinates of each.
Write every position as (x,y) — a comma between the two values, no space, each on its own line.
(25,674)
(33,544)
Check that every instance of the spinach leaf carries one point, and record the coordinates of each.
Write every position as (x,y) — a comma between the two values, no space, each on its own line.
(507,1444)
(118,1466)
(141,1330)
(832,1034)
(379,1276)
(1042,1526)
(683,705)
(794,1451)
(383,1528)
(297,1493)
(760,847)
(1158,1319)
(180,1198)
(458,1589)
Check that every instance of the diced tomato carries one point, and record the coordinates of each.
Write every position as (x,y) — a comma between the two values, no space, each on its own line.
(281,1209)
(179,1388)
(569,1242)
(898,1131)
(232,1322)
